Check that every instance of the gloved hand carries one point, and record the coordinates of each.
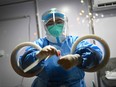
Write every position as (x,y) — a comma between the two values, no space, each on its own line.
(47,51)
(69,61)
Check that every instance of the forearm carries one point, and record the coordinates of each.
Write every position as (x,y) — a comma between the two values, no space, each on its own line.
(28,58)
(90,57)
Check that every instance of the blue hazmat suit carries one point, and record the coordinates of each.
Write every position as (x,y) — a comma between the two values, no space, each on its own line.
(53,75)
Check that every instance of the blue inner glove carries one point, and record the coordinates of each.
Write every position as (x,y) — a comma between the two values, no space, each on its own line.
(90,57)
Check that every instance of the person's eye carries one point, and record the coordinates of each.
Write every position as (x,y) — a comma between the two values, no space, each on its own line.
(50,23)
(59,22)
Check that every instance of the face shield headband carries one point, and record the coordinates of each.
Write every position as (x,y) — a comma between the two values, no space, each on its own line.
(53,15)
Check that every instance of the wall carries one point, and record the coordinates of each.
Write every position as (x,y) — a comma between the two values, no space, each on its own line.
(104,25)
(0,83)
(17,24)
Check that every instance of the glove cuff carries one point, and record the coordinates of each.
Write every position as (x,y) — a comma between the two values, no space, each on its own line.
(77,60)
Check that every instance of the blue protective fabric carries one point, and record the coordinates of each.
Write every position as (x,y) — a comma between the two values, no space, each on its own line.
(53,75)
(46,17)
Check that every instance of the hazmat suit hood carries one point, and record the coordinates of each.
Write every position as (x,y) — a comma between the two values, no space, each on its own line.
(53,14)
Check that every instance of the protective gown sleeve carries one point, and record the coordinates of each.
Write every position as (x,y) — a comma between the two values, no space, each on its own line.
(91,54)
(30,56)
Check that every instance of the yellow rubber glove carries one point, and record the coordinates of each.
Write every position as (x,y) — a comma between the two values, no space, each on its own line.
(47,51)
(69,61)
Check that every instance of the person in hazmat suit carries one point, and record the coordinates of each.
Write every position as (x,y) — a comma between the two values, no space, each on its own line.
(65,70)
